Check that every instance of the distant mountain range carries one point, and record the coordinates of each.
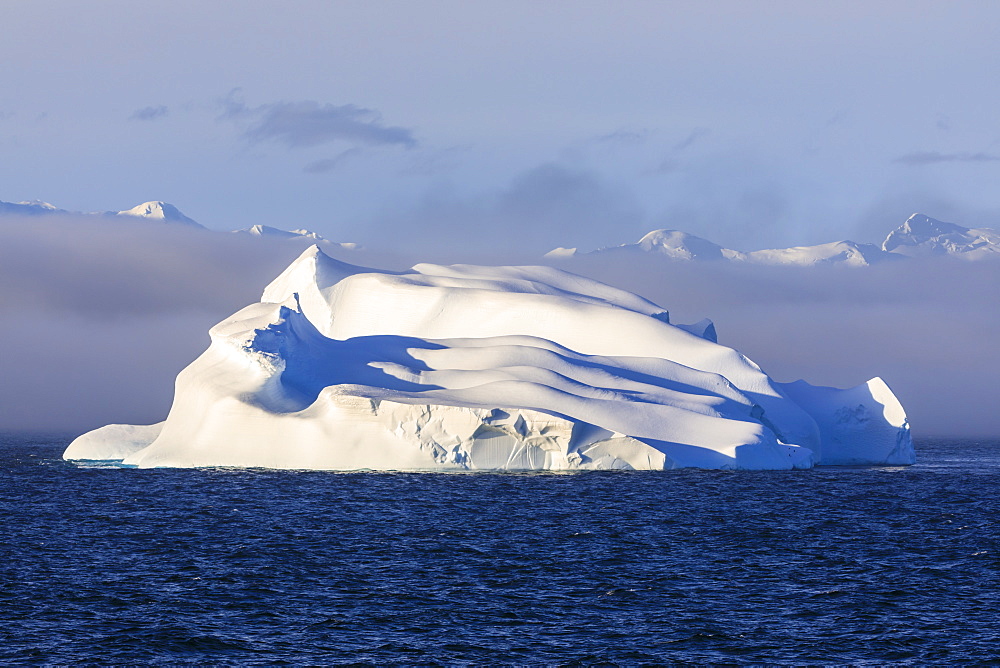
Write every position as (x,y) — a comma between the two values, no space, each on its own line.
(165,213)
(159,211)
(919,236)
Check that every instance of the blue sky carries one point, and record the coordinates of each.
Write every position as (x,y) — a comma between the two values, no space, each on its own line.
(510,123)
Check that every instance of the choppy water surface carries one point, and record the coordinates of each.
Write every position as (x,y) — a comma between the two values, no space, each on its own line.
(836,565)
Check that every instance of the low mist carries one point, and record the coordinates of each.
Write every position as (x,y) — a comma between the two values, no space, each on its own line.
(99,315)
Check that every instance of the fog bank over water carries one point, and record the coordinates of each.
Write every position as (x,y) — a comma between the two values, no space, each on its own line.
(98,318)
(99,315)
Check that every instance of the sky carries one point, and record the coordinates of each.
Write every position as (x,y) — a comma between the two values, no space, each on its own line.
(493,132)
(521,124)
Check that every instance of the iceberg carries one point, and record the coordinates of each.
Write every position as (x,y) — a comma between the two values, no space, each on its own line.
(461,367)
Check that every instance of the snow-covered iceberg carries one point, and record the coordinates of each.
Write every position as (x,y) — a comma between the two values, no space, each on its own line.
(491,368)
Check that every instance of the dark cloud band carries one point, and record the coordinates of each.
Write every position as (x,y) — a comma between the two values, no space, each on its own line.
(309,123)
(149,113)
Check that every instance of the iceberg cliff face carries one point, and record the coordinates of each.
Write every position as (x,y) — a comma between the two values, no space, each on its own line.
(465,367)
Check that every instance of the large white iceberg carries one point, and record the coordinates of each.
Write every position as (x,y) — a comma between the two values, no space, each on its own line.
(488,368)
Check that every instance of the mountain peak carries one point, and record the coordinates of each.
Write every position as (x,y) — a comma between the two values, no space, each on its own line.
(681,245)
(267,231)
(922,235)
(45,206)
(32,208)
(156,210)
(924,227)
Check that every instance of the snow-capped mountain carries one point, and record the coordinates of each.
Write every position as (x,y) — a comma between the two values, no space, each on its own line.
(158,211)
(673,244)
(164,212)
(846,253)
(677,245)
(921,236)
(683,246)
(152,211)
(34,208)
(267,231)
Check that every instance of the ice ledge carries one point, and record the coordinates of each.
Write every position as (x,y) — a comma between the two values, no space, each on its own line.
(386,435)
(863,425)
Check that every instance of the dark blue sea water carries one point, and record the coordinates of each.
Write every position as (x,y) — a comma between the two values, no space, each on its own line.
(834,565)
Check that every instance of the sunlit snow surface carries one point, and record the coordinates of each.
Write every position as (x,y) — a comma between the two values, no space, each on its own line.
(488,368)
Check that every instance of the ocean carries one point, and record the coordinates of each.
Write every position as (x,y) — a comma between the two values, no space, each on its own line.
(838,565)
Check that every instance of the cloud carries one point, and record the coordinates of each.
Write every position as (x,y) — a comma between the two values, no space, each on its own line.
(309,123)
(623,137)
(538,209)
(732,199)
(551,189)
(329,164)
(429,162)
(690,139)
(931,157)
(148,113)
(838,118)
(670,163)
